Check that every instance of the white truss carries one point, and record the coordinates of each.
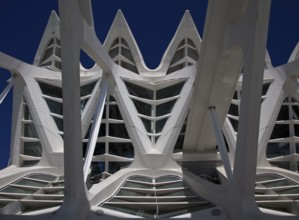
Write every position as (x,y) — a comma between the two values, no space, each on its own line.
(122,140)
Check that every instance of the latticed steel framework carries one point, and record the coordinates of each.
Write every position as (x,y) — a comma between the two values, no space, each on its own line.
(212,132)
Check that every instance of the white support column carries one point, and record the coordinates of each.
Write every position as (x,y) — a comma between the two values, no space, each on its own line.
(97,119)
(252,35)
(220,142)
(76,205)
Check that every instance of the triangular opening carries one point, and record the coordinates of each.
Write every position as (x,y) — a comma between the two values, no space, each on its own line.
(185,55)
(121,54)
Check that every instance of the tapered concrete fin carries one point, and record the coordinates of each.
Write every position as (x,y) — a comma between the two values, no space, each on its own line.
(268,62)
(187,21)
(295,54)
(86,10)
(186,30)
(52,30)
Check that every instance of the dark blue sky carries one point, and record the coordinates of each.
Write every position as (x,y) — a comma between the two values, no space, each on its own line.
(153,24)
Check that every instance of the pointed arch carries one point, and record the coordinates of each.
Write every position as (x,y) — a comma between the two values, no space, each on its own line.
(48,52)
(122,47)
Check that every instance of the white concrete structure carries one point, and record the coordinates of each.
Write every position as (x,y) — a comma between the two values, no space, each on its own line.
(121,140)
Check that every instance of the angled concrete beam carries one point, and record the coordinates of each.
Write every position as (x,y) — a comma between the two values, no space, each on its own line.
(220,142)
(220,63)
(95,126)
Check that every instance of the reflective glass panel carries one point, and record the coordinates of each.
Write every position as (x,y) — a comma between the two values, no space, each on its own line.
(55,107)
(277,149)
(50,90)
(139,91)
(32,149)
(170,91)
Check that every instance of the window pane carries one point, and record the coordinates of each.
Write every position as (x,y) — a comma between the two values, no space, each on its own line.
(171,185)
(114,112)
(11,189)
(57,52)
(175,68)
(193,54)
(280,131)
(233,110)
(265,88)
(116,166)
(50,42)
(27,115)
(99,149)
(160,125)
(115,42)
(283,165)
(179,143)
(234,123)
(265,177)
(181,43)
(191,43)
(32,149)
(284,182)
(121,149)
(277,149)
(142,179)
(129,66)
(127,53)
(87,89)
(118,130)
(58,64)
(102,131)
(97,167)
(43,177)
(55,107)
(124,192)
(112,99)
(283,113)
(124,42)
(180,54)
(28,163)
(295,109)
(147,125)
(26,182)
(114,52)
(83,104)
(48,53)
(167,179)
(30,131)
(170,91)
(142,108)
(165,108)
(139,91)
(50,90)
(296,130)
(137,185)
(59,123)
